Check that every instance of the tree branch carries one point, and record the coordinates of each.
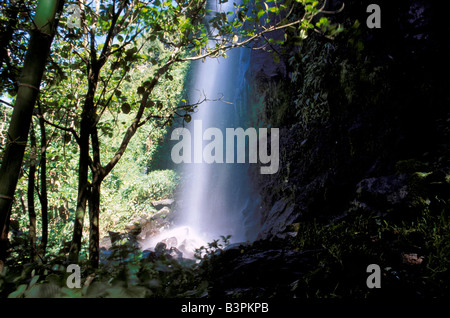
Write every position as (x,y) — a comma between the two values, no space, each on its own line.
(70,129)
(228,46)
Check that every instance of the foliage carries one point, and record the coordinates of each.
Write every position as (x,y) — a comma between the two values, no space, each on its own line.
(414,256)
(134,195)
(213,248)
(124,272)
(124,69)
(14,26)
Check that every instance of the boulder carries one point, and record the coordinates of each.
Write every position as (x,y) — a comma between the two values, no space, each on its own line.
(136,225)
(150,229)
(158,205)
(143,228)
(406,194)
(382,193)
(162,214)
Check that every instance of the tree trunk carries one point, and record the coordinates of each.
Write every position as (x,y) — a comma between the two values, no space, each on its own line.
(87,121)
(38,49)
(83,195)
(43,195)
(4,243)
(94,201)
(30,195)
(94,233)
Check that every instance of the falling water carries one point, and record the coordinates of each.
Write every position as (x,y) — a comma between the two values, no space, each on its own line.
(214,193)
(216,199)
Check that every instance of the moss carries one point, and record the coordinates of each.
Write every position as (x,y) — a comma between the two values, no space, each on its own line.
(270,103)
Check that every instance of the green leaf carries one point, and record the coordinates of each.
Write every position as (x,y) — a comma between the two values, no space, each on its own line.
(187,118)
(274,10)
(261,13)
(19,291)
(276,58)
(242,16)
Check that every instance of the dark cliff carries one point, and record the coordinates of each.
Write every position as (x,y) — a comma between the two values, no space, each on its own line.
(359,113)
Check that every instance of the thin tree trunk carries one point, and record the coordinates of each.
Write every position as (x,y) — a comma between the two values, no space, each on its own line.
(83,194)
(4,243)
(30,195)
(87,121)
(94,227)
(33,69)
(94,201)
(43,195)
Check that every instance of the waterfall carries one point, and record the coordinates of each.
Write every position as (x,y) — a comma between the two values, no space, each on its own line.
(216,198)
(215,194)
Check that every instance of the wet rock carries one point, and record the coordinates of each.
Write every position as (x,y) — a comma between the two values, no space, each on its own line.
(159,221)
(150,229)
(175,253)
(136,225)
(170,242)
(259,271)
(280,216)
(162,250)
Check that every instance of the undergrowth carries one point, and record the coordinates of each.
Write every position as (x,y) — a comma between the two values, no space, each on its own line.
(414,256)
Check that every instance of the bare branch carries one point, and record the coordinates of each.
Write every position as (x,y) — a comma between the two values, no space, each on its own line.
(6,103)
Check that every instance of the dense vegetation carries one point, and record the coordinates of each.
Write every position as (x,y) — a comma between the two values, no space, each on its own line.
(99,83)
(364,149)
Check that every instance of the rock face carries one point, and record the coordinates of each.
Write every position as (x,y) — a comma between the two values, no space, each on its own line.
(279,217)
(363,119)
(259,271)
